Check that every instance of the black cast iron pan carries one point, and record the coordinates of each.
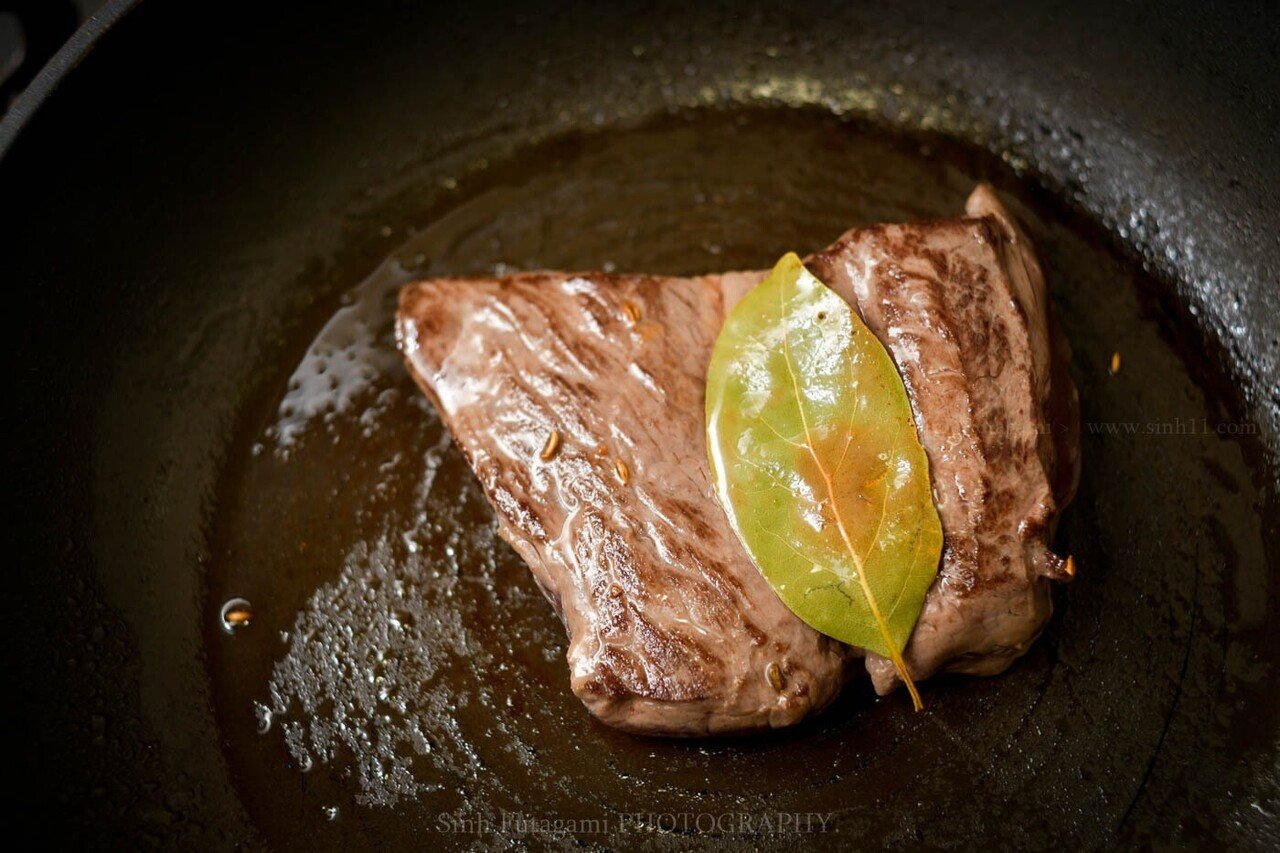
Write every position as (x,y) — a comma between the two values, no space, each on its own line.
(205,213)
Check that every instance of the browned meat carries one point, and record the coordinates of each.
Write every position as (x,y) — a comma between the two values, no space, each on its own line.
(671,628)
(578,400)
(961,307)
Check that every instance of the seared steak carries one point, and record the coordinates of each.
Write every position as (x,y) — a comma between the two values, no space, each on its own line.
(578,400)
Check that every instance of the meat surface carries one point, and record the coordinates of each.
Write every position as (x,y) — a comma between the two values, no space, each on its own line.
(962,308)
(578,400)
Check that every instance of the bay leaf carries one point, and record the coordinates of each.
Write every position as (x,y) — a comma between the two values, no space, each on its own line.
(818,464)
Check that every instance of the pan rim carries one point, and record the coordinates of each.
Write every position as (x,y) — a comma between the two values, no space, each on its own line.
(47,80)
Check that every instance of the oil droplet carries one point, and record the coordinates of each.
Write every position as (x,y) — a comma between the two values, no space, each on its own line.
(330,812)
(236,614)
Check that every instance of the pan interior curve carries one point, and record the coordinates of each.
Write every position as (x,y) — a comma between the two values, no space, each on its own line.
(402,674)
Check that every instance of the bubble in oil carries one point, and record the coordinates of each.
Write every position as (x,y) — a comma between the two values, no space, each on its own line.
(344,362)
(359,686)
(263,715)
(236,614)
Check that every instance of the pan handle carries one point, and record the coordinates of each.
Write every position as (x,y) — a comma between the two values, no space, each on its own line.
(31,32)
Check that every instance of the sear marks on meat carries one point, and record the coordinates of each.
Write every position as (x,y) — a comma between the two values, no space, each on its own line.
(962,308)
(672,629)
(578,400)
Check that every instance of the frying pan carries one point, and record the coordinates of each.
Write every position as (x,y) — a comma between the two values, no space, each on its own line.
(190,193)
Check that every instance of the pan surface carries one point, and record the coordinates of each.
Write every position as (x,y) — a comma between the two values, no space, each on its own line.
(210,407)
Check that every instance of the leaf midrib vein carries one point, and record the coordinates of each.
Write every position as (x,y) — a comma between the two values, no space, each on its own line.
(894,653)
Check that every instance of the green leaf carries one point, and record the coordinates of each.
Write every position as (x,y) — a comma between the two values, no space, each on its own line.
(817,463)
